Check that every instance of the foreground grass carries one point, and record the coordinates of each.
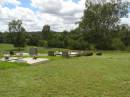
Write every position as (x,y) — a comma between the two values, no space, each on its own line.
(96,76)
(7,65)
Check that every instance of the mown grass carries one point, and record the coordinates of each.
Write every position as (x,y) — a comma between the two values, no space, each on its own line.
(52,58)
(6,47)
(96,76)
(7,65)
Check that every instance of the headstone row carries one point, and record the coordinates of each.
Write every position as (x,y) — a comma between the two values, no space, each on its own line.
(73,53)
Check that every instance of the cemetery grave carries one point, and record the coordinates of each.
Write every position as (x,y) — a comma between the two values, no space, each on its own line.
(34,57)
(69,53)
(19,57)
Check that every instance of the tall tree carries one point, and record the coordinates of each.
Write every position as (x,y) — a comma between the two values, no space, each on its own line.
(46,34)
(1,38)
(97,24)
(17,32)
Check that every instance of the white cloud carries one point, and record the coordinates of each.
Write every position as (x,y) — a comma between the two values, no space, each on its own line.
(60,7)
(52,6)
(59,14)
(64,13)
(24,14)
(126,20)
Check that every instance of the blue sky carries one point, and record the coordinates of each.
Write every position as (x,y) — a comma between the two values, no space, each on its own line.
(23,3)
(129,9)
(27,4)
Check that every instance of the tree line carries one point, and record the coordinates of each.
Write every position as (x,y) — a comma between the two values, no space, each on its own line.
(99,28)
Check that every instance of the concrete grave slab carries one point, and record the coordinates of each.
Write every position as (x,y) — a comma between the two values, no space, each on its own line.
(33,61)
(25,60)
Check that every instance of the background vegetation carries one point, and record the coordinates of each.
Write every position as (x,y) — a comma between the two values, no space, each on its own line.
(99,29)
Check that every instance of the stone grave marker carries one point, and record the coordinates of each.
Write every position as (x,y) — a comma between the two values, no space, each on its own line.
(33,52)
(51,53)
(66,54)
(6,55)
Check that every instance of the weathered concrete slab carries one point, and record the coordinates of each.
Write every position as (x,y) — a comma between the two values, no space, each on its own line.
(33,61)
(25,60)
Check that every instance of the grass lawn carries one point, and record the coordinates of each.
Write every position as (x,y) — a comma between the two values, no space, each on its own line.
(4,47)
(6,65)
(96,76)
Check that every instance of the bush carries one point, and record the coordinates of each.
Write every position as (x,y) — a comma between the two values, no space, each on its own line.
(127,48)
(35,57)
(88,53)
(79,44)
(43,43)
(99,53)
(12,53)
(117,44)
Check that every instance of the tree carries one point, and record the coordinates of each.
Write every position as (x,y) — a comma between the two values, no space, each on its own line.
(46,34)
(117,44)
(123,8)
(125,35)
(33,40)
(98,23)
(17,33)
(1,37)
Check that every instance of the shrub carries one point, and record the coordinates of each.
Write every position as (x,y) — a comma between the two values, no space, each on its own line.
(88,53)
(117,44)
(99,53)
(43,43)
(12,53)
(35,57)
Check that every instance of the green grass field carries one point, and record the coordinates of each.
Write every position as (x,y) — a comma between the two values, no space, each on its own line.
(4,47)
(96,76)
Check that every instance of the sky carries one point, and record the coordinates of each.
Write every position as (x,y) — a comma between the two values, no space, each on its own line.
(59,14)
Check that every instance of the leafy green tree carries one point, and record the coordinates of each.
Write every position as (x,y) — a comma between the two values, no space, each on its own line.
(117,44)
(65,38)
(1,38)
(33,40)
(17,33)
(46,33)
(125,35)
(123,9)
(97,24)
(43,43)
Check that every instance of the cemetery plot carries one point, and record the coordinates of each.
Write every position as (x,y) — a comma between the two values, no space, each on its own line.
(35,61)
(20,57)
(25,60)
